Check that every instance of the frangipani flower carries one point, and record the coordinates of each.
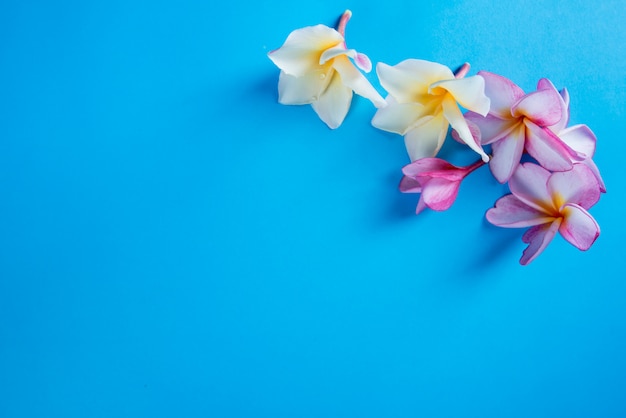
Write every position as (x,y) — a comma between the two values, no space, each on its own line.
(579,138)
(422,104)
(583,141)
(437,180)
(316,69)
(549,202)
(519,122)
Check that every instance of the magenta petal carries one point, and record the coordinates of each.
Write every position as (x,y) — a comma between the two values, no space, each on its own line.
(544,84)
(545,147)
(440,193)
(578,185)
(510,212)
(542,107)
(434,167)
(507,154)
(530,184)
(410,185)
(502,92)
(420,206)
(538,238)
(579,228)
(423,165)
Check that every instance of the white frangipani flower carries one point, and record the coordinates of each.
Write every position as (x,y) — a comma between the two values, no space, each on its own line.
(423,102)
(316,69)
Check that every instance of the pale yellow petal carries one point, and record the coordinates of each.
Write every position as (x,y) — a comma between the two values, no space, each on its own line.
(355,80)
(397,117)
(468,92)
(426,138)
(410,80)
(301,51)
(334,103)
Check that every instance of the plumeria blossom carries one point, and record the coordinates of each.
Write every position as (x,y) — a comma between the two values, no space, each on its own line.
(549,202)
(423,101)
(519,122)
(579,138)
(437,180)
(316,69)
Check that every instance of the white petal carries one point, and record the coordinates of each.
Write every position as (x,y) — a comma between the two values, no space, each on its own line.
(397,117)
(301,51)
(302,90)
(426,138)
(354,79)
(334,52)
(469,92)
(334,103)
(453,114)
(411,78)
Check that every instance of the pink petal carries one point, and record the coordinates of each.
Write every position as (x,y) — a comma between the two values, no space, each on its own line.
(529,184)
(492,128)
(363,62)
(507,153)
(510,212)
(421,205)
(596,172)
(426,168)
(542,107)
(578,186)
(439,194)
(579,138)
(355,80)
(538,238)
(544,84)
(424,165)
(545,147)
(579,228)
(453,114)
(502,92)
(410,185)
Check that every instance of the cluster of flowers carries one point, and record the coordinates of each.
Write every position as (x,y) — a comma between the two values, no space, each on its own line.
(552,190)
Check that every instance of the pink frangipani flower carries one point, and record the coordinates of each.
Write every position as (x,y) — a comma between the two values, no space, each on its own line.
(437,180)
(549,202)
(519,122)
(578,138)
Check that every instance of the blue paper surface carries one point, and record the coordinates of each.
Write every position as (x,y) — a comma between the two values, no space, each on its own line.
(174,242)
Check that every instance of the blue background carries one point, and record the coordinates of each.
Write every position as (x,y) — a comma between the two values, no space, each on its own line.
(173,242)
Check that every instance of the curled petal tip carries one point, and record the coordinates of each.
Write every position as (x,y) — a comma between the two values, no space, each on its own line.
(363,62)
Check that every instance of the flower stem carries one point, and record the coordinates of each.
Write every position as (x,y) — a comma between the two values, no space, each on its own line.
(343,21)
(461,72)
(475,165)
